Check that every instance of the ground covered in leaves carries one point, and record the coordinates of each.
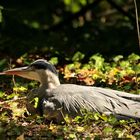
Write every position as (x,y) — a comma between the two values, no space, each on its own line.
(117,73)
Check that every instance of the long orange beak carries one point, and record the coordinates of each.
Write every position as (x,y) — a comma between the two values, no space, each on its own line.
(15,71)
(24,72)
(2,73)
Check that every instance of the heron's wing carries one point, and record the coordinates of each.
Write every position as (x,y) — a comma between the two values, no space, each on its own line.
(73,97)
(120,94)
(124,104)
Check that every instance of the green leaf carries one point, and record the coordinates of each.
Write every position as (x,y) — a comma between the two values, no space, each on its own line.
(117,58)
(96,116)
(72,136)
(124,64)
(67,2)
(54,60)
(75,7)
(1,17)
(112,119)
(97,61)
(36,102)
(83,2)
(136,68)
(19,89)
(107,129)
(133,57)
(77,119)
(11,96)
(78,56)
(1,94)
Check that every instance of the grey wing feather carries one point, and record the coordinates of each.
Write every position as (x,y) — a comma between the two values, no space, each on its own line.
(68,96)
(73,97)
(120,94)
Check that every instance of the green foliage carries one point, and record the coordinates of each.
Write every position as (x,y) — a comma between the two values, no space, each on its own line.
(1,18)
(1,94)
(133,58)
(74,6)
(78,56)
(97,61)
(117,72)
(68,31)
(36,100)
(117,58)
(54,60)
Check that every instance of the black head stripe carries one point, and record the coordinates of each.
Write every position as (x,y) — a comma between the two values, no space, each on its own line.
(43,64)
(39,65)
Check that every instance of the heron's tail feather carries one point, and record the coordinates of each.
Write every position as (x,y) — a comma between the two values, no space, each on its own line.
(119,103)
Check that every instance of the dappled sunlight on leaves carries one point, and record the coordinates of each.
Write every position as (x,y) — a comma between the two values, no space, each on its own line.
(120,73)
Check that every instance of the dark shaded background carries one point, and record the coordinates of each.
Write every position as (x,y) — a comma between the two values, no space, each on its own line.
(63,27)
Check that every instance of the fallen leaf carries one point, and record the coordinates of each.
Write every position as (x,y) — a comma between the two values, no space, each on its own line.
(21,137)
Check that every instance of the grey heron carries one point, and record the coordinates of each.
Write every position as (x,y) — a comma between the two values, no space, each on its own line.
(56,100)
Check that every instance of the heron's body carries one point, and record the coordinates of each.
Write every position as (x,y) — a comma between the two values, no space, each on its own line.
(56,100)
(70,99)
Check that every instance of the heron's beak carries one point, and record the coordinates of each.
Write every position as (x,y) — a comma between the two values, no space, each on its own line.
(24,72)
(16,71)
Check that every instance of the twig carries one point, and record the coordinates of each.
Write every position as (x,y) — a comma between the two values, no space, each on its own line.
(66,20)
(137,21)
(138,32)
(120,9)
(13,77)
(13,100)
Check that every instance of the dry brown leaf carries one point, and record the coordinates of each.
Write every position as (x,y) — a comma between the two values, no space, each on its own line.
(21,137)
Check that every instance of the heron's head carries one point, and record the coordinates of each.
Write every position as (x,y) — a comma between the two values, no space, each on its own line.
(38,70)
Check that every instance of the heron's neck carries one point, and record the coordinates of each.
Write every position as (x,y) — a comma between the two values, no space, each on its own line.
(49,80)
